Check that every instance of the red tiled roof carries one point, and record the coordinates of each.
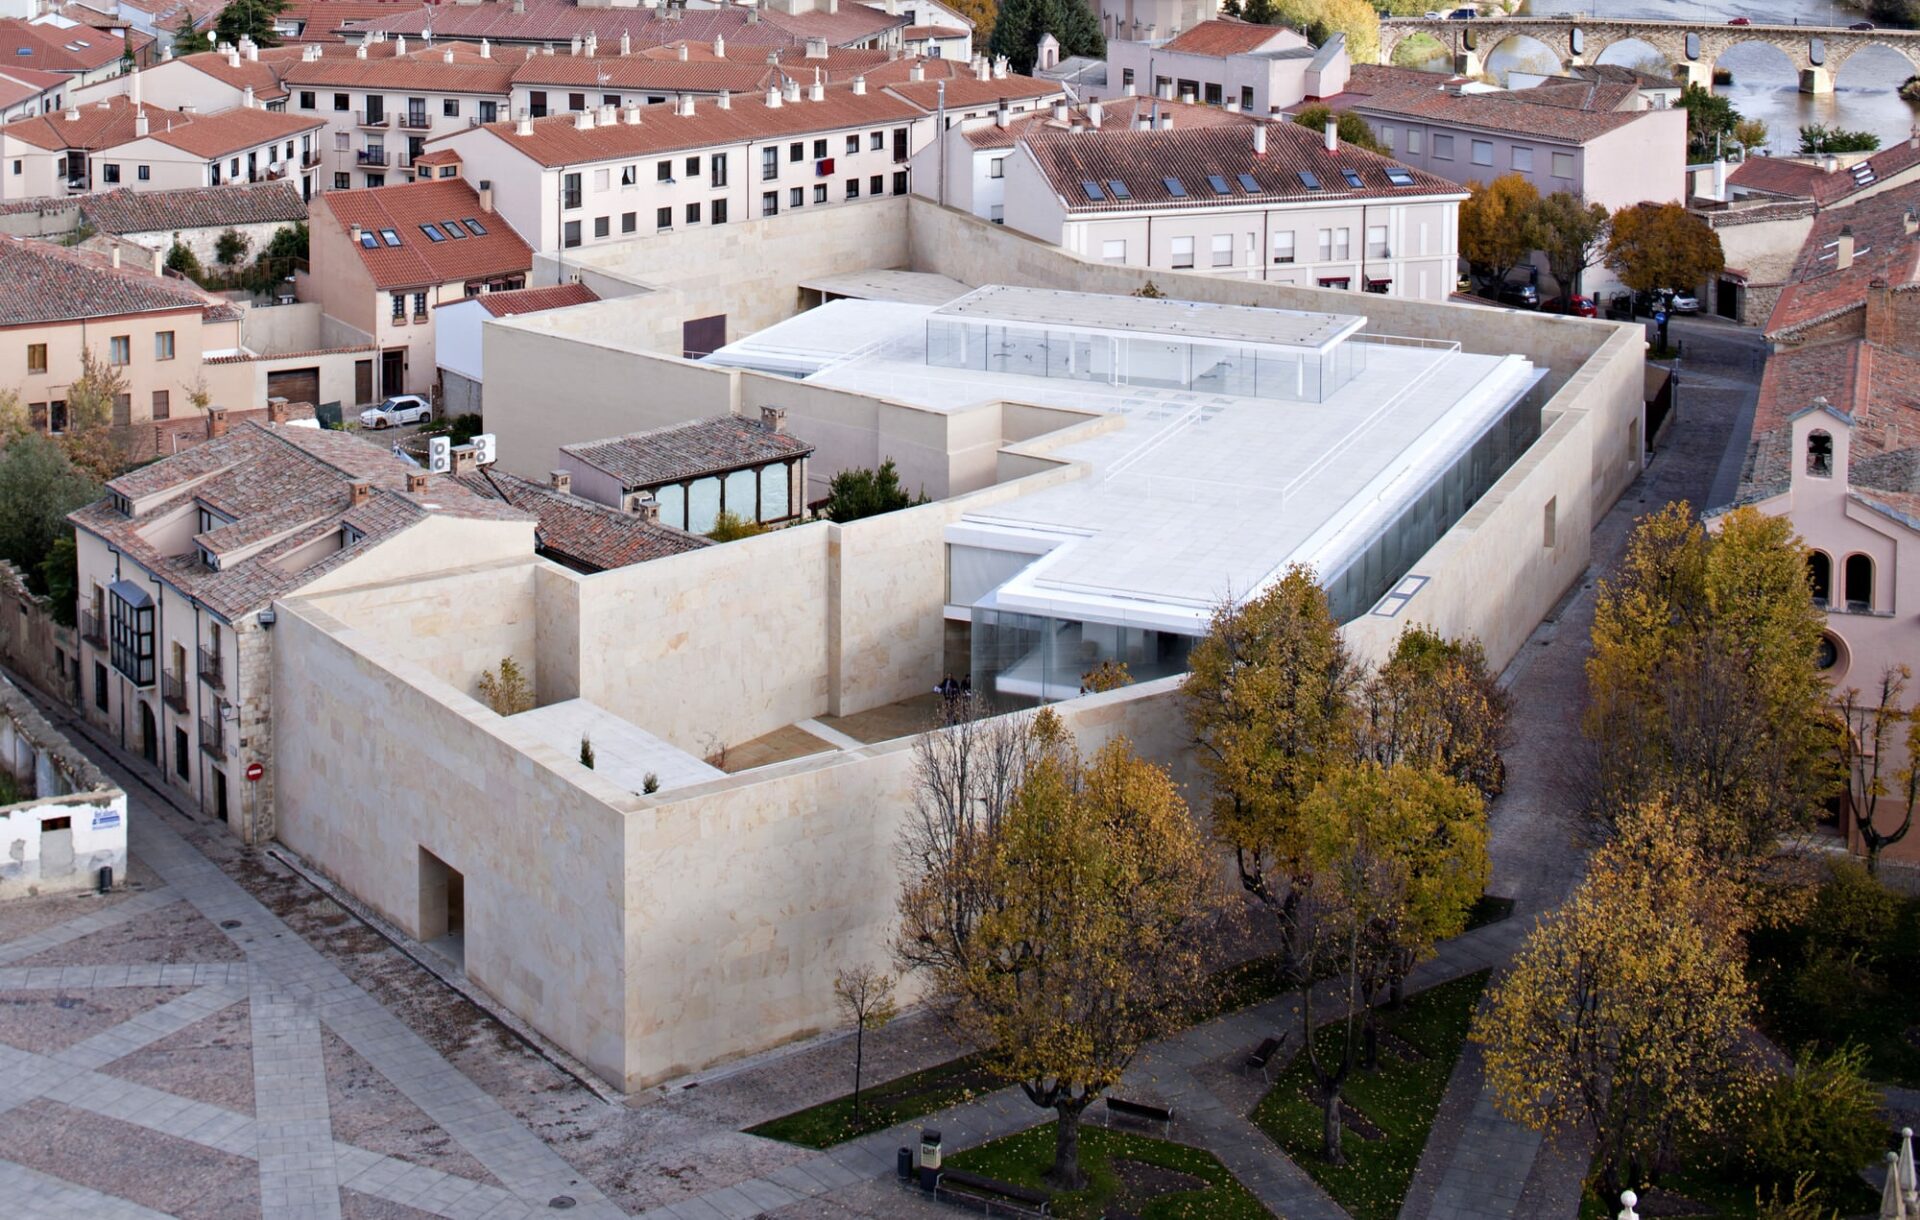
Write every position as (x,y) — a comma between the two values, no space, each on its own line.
(95,126)
(1582,95)
(1141,160)
(557,141)
(232,131)
(325,20)
(685,451)
(1879,386)
(963,90)
(418,260)
(1117,114)
(78,49)
(579,533)
(439,156)
(535,300)
(427,71)
(1818,289)
(1224,36)
(1804,180)
(263,74)
(923,33)
(42,283)
(560,21)
(630,72)
(1496,112)
(129,211)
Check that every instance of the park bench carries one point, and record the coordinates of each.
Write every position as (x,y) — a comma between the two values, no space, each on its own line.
(1119,1107)
(1261,1060)
(991,1195)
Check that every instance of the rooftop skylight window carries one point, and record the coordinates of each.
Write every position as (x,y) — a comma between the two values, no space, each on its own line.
(1093,191)
(433,232)
(1399,177)
(453,229)
(474,227)
(1308,180)
(1353,179)
(1175,187)
(368,240)
(1118,189)
(390,237)
(1219,184)
(1248,184)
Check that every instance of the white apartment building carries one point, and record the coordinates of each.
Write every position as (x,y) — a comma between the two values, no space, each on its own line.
(1261,69)
(607,173)
(1270,201)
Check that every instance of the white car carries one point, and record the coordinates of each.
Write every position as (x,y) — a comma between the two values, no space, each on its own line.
(1683,302)
(400,409)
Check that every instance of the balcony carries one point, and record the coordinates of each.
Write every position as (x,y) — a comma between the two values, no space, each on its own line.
(309,160)
(210,671)
(415,122)
(213,738)
(373,156)
(362,119)
(93,629)
(173,691)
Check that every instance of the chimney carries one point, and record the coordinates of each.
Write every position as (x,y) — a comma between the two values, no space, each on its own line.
(1143,122)
(358,491)
(416,482)
(466,459)
(399,45)
(609,114)
(1882,327)
(276,410)
(73,112)
(486,49)
(523,124)
(1259,139)
(1094,115)
(561,481)
(719,47)
(216,422)
(1000,116)
(773,97)
(791,91)
(139,124)
(253,51)
(1000,67)
(486,194)
(116,257)
(682,49)
(1166,120)
(1333,135)
(1720,179)
(833,6)
(353,234)
(686,106)
(859,86)
(1060,112)
(626,43)
(773,419)
(233,57)
(1233,105)
(984,70)
(915,74)
(133,89)
(818,91)
(159,263)
(1843,249)
(446,56)
(646,508)
(1829,162)
(816,48)
(1910,222)
(592,46)
(360,52)
(573,47)
(583,121)
(633,110)
(246,98)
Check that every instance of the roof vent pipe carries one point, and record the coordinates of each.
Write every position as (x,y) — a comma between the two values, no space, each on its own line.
(246,98)
(773,97)
(792,90)
(725,102)
(818,93)
(916,74)
(1259,139)
(486,49)
(1094,115)
(523,124)
(446,56)
(626,43)
(139,124)
(683,52)
(1333,135)
(719,46)
(360,52)
(399,45)
(859,86)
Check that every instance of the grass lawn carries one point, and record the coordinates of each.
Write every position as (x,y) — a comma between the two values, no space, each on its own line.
(1400,1099)
(1488,909)
(1139,1185)
(1729,1197)
(884,1104)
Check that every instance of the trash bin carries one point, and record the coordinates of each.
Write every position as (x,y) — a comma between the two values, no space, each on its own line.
(904,1163)
(105,877)
(929,1159)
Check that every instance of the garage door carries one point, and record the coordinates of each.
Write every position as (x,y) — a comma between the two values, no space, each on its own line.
(295,385)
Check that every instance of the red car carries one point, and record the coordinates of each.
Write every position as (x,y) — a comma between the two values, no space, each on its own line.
(1741,21)
(1578,307)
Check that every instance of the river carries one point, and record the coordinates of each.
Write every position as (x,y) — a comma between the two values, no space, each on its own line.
(1765,85)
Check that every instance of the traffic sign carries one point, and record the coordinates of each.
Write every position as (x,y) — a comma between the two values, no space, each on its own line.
(1661,317)
(254,772)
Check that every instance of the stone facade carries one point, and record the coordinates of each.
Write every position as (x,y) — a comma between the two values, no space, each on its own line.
(32,645)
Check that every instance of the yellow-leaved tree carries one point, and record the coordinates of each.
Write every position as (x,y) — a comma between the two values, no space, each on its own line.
(1436,704)
(1269,700)
(1096,893)
(1622,1015)
(1497,228)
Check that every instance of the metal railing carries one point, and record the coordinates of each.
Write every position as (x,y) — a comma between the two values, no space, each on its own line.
(363,119)
(173,691)
(415,122)
(370,156)
(210,671)
(213,738)
(92,629)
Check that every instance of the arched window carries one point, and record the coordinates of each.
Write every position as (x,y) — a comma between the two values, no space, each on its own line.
(1820,455)
(1859,585)
(1820,577)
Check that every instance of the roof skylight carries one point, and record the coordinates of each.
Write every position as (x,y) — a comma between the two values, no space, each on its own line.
(1353,179)
(390,237)
(1175,187)
(1219,184)
(474,227)
(368,240)
(1247,183)
(453,229)
(1093,191)
(1399,177)
(1118,189)
(1308,180)
(433,232)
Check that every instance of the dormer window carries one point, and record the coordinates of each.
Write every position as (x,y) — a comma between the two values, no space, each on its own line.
(1820,455)
(208,560)
(120,503)
(349,535)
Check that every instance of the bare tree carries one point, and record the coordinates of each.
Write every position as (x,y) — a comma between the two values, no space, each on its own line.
(1872,735)
(866,995)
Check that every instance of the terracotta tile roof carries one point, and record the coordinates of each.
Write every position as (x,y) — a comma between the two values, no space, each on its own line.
(1225,36)
(583,535)
(964,90)
(263,74)
(1582,95)
(286,486)
(1620,73)
(232,131)
(1794,179)
(102,124)
(1883,249)
(924,33)
(78,49)
(128,211)
(328,20)
(645,72)
(1115,115)
(418,260)
(427,72)
(1141,160)
(20,84)
(685,451)
(542,21)
(439,156)
(1878,386)
(853,24)
(534,300)
(557,141)
(41,283)
(1420,95)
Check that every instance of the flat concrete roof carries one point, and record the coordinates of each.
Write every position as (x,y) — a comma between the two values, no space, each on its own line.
(1191,320)
(623,752)
(913,287)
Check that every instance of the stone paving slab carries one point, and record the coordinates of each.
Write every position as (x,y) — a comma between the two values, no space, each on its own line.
(87,925)
(151,1026)
(32,1195)
(143,974)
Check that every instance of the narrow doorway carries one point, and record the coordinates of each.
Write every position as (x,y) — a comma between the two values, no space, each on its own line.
(393,371)
(149,736)
(220,794)
(443,903)
(362,382)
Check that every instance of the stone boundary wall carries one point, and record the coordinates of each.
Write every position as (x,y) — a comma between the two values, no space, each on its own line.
(71,823)
(31,643)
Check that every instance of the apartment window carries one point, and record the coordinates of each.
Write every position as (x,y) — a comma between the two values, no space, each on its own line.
(663,172)
(144,173)
(1334,244)
(796,196)
(340,102)
(1443,148)
(693,213)
(1126,77)
(1223,249)
(163,345)
(450,108)
(537,103)
(489,112)
(130,634)
(629,176)
(36,357)
(1483,152)
(19,167)
(576,102)
(100,686)
(853,144)
(693,167)
(342,182)
(820,193)
(570,191)
(181,753)
(1212,94)
(997,168)
(420,306)
(853,188)
(109,173)
(717,170)
(306,99)
(663,218)
(399,306)
(120,350)
(770,163)
(819,150)
(163,404)
(770,203)
(1377,241)
(900,182)
(797,151)
(719,211)
(1116,251)
(877,184)
(610,99)
(1283,247)
(1413,141)
(571,237)
(1523,160)
(602,178)
(1385,134)
(602,226)
(1563,165)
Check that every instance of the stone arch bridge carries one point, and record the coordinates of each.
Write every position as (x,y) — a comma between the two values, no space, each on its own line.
(1817,51)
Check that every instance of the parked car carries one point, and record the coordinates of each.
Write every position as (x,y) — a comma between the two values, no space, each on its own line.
(1463,14)
(400,409)
(1520,296)
(1861,25)
(1577,307)
(1433,15)
(1741,21)
(1682,302)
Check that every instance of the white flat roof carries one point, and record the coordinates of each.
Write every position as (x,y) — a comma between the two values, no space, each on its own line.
(623,752)
(1190,320)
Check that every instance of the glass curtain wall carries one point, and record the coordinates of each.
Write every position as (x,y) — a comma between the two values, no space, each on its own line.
(1022,660)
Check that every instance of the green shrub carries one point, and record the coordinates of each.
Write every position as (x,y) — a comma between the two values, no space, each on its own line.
(1852,909)
(1822,1119)
(1834,985)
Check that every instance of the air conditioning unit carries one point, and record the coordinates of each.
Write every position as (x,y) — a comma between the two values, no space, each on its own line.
(483,449)
(440,454)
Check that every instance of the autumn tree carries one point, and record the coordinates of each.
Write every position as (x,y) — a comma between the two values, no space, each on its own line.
(1653,246)
(1397,857)
(89,440)
(1497,228)
(1018,25)
(1750,135)
(1711,120)
(1572,234)
(1350,127)
(1320,20)
(1622,1015)
(1099,890)
(1435,704)
(1108,675)
(866,996)
(1876,731)
(981,12)
(1268,700)
(1701,684)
